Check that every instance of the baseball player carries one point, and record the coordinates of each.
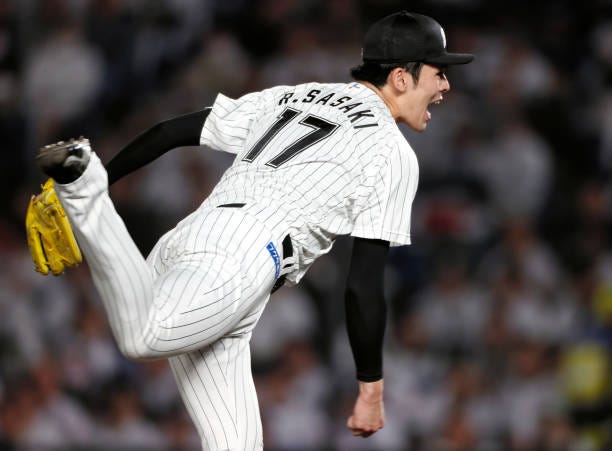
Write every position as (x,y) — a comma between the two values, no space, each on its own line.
(313,161)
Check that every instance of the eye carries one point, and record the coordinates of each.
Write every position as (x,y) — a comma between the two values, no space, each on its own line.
(441,72)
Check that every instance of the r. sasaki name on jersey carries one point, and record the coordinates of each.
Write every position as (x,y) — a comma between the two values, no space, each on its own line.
(342,103)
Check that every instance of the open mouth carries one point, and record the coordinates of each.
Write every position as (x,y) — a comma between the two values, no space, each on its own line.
(437,101)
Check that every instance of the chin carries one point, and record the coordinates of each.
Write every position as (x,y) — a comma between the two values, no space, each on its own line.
(419,127)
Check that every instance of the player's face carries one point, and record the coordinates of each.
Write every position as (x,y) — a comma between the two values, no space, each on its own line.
(432,84)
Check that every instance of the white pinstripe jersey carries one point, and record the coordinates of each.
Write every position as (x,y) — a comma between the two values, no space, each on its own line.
(318,160)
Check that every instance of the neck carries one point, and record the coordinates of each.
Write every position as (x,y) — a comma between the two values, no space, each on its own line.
(386,97)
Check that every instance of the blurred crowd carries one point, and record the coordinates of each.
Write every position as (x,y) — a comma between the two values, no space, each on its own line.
(500,321)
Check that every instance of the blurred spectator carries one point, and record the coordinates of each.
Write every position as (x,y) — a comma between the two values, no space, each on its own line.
(13,121)
(536,316)
(521,250)
(293,398)
(585,371)
(59,422)
(557,432)
(418,374)
(63,79)
(109,26)
(303,58)
(481,406)
(530,77)
(125,425)
(529,391)
(23,343)
(159,392)
(453,309)
(224,66)
(517,169)
(288,317)
(19,407)
(605,115)
(90,358)
(457,435)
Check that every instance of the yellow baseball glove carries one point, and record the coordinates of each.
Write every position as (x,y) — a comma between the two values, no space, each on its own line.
(50,238)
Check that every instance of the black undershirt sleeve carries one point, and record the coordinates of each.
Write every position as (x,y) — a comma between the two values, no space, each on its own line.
(366,310)
(151,144)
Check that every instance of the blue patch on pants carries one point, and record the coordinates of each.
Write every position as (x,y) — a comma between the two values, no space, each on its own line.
(274,254)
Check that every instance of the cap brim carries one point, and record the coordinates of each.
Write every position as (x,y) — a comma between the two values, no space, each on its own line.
(448,59)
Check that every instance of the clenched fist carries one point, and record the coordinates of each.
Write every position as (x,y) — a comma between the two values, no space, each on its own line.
(369,412)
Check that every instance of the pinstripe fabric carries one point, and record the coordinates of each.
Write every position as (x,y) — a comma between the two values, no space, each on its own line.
(359,180)
(195,300)
(218,388)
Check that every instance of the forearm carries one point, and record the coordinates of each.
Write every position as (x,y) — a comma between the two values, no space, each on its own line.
(366,323)
(176,132)
(366,310)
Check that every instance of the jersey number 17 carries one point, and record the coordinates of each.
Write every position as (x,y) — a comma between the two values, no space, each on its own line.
(321,129)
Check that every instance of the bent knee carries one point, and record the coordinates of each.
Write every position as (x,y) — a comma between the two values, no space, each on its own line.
(141,350)
(137,354)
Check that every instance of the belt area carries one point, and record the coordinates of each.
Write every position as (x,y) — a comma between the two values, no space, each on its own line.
(236,205)
(287,247)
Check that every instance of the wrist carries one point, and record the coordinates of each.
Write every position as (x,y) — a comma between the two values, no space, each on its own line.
(369,376)
(371,391)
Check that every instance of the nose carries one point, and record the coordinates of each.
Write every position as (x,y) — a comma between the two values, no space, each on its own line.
(445,84)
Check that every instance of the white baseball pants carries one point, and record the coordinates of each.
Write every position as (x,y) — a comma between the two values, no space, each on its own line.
(195,301)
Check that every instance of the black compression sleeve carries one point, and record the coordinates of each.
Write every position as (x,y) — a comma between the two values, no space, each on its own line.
(366,311)
(176,132)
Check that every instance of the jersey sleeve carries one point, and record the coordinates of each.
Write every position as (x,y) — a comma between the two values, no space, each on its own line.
(389,186)
(228,124)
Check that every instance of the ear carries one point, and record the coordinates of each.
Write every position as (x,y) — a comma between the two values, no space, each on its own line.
(400,80)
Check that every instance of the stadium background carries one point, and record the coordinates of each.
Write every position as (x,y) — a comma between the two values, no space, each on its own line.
(500,327)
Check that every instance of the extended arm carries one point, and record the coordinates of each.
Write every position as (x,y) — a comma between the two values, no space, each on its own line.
(366,314)
(176,132)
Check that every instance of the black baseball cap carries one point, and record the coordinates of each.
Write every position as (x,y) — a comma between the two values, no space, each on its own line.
(406,37)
